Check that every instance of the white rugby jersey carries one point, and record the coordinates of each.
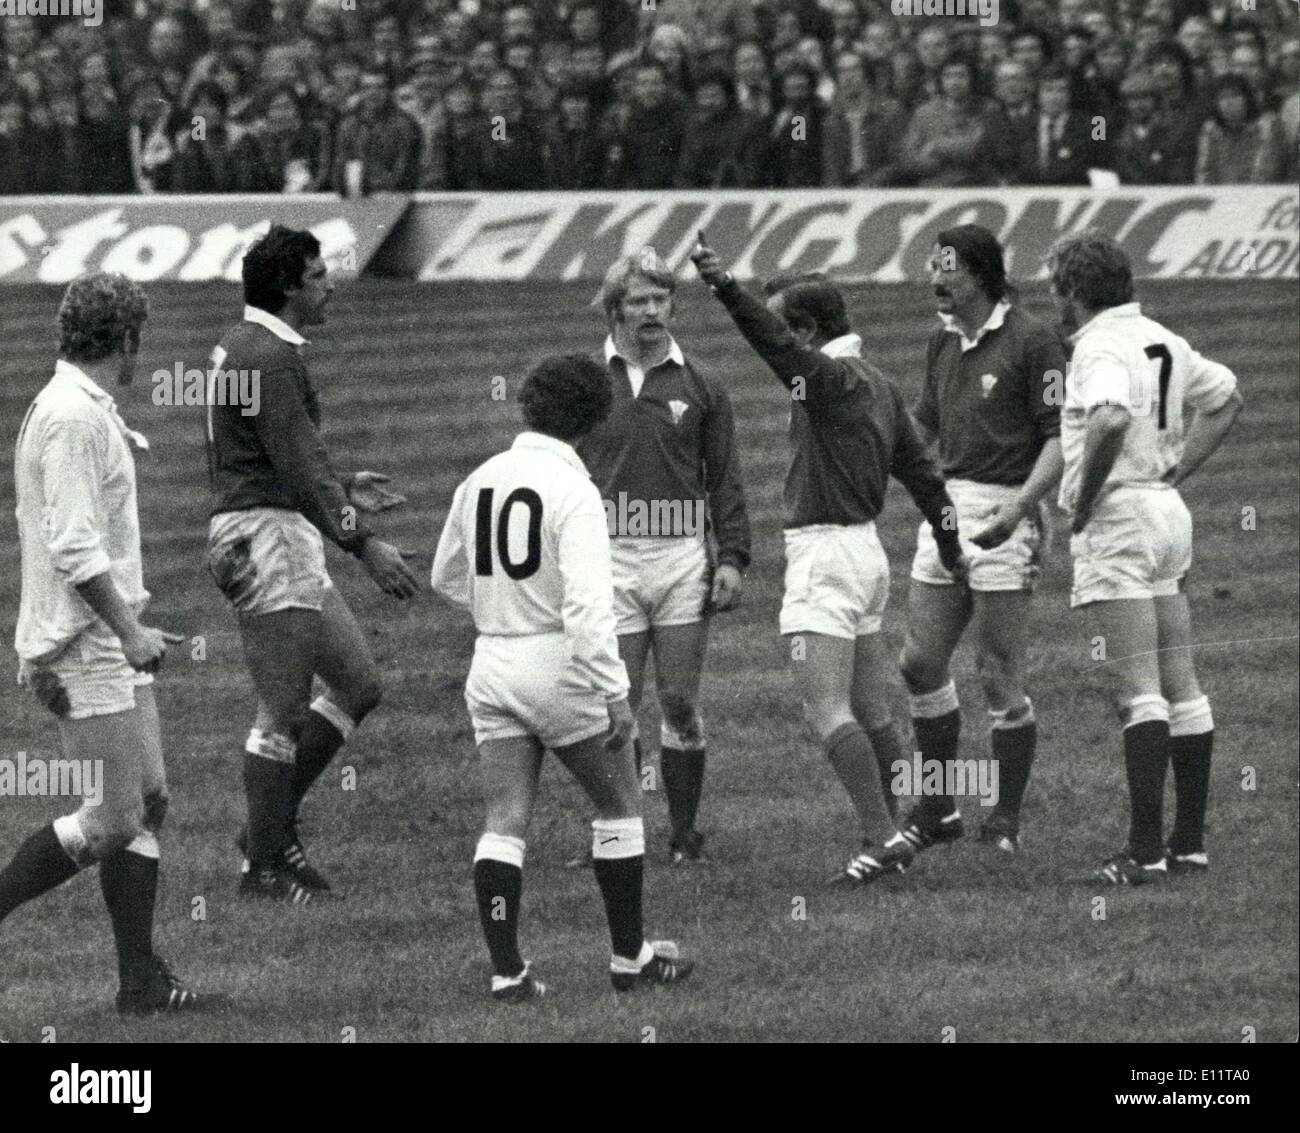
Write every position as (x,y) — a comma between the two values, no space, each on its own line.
(526,550)
(1123,358)
(74,476)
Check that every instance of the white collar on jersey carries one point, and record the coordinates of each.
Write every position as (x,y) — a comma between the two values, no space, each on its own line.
(1123,311)
(674,352)
(277,327)
(69,372)
(846,346)
(76,376)
(996,318)
(556,447)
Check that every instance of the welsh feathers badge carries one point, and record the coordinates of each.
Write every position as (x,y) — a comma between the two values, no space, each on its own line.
(987,382)
(678,410)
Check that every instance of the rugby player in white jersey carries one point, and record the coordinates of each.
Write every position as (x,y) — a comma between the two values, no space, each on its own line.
(989,371)
(1126,450)
(526,549)
(82,649)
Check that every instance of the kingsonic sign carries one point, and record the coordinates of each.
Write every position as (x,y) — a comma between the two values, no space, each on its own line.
(861,235)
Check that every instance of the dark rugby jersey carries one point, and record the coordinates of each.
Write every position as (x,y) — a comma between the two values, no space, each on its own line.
(275,457)
(851,429)
(988,406)
(675,440)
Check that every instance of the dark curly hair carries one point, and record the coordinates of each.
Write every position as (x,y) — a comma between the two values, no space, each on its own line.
(565,396)
(98,313)
(810,299)
(276,262)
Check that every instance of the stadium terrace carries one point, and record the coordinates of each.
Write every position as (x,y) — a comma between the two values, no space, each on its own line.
(91,11)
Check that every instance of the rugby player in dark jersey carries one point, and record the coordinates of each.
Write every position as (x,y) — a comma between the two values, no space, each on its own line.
(850,431)
(274,495)
(666,464)
(989,405)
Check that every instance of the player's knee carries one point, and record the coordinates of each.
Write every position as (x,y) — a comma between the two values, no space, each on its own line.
(508,824)
(109,829)
(825,717)
(365,697)
(1178,681)
(998,676)
(286,723)
(920,673)
(1142,708)
(682,726)
(509,816)
(872,714)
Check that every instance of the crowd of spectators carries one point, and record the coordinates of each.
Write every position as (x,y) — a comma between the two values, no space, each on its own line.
(360,96)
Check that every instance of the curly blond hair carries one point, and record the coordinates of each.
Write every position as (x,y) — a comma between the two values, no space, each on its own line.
(97,313)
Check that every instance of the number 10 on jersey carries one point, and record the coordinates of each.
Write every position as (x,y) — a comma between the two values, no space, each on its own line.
(484,558)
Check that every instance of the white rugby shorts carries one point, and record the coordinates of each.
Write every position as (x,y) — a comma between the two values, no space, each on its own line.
(658,582)
(1014,565)
(836,580)
(266,559)
(527,686)
(90,677)
(1138,544)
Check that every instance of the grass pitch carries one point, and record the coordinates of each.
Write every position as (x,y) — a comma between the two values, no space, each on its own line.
(997,951)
